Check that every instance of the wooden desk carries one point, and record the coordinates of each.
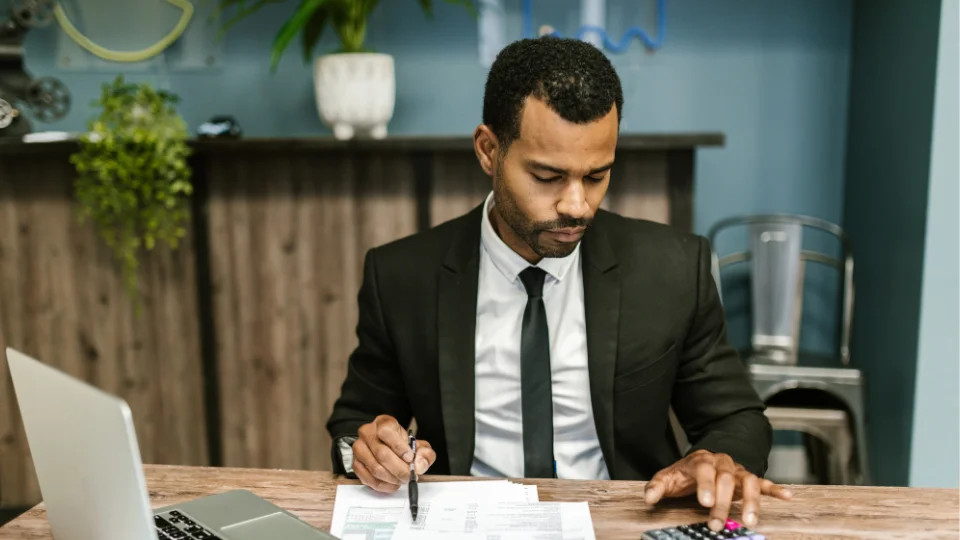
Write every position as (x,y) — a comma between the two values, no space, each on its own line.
(617,509)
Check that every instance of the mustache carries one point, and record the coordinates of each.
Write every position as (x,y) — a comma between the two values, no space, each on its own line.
(563,223)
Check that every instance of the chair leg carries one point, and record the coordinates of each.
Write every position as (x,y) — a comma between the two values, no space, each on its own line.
(841,444)
(859,442)
(817,457)
(830,456)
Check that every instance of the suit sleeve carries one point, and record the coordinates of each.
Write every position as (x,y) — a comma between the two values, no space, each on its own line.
(714,399)
(373,385)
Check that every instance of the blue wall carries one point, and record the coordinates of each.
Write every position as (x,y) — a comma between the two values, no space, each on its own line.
(891,112)
(773,76)
(936,424)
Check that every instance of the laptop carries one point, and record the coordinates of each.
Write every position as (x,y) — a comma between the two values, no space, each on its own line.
(87,459)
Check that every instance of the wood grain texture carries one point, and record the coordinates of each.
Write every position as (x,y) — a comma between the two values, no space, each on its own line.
(284,231)
(639,186)
(63,303)
(459,185)
(681,164)
(617,508)
(288,234)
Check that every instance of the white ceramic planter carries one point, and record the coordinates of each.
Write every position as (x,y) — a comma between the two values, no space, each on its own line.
(355,92)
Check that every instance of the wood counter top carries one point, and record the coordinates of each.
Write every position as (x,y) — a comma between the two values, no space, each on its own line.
(402,143)
(617,508)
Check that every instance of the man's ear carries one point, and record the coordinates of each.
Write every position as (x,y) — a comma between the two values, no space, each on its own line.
(487,147)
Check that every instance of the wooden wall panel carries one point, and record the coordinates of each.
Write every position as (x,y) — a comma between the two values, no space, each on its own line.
(459,185)
(61,301)
(288,235)
(250,328)
(639,186)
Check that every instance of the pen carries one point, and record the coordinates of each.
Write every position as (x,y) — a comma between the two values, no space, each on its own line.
(412,488)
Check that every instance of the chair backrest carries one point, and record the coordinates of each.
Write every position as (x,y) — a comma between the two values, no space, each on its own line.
(777,298)
(778,264)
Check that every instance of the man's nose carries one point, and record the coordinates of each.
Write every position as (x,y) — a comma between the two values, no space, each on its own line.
(573,201)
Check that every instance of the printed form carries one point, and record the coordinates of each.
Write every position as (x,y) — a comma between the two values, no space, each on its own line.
(361,513)
(498,520)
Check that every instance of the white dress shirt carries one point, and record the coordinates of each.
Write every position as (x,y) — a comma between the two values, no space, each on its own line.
(501,299)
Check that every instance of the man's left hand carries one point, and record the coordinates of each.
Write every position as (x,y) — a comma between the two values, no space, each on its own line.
(717,481)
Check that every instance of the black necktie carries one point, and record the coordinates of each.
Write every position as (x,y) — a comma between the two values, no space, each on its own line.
(535,380)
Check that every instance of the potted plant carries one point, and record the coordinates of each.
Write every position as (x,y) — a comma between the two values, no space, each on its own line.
(133,180)
(355,87)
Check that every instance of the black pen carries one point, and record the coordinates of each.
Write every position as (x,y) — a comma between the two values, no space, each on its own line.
(412,487)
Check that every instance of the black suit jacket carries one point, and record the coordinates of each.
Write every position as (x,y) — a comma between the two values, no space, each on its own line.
(656,337)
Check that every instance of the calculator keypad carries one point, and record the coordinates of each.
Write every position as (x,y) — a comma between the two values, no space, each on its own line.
(700,531)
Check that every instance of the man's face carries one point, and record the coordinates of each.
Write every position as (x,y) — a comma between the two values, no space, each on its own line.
(549,185)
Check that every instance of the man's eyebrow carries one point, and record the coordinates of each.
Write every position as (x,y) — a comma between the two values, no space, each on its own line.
(544,167)
(558,170)
(604,168)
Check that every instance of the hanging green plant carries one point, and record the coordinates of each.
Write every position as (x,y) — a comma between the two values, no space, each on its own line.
(133,180)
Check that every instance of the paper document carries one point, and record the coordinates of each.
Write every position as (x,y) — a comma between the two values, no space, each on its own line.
(491,520)
(360,513)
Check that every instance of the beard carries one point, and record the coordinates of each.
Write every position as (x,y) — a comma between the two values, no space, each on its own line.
(529,230)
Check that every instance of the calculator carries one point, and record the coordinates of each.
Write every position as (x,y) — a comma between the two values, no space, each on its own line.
(700,531)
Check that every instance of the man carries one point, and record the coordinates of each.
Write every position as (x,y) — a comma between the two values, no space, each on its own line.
(540,336)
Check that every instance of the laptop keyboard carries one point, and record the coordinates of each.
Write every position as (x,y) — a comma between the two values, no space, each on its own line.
(174,525)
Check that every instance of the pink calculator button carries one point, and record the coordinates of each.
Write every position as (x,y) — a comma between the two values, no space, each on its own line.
(733,525)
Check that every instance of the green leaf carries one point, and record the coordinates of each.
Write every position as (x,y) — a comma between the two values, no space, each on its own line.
(348,17)
(291,28)
(312,33)
(132,178)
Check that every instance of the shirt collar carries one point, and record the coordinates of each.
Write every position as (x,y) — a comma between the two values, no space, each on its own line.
(509,262)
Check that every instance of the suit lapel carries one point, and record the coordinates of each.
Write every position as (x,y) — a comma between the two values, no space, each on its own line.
(601,290)
(456,332)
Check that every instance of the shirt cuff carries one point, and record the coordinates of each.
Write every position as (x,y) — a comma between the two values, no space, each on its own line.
(345,448)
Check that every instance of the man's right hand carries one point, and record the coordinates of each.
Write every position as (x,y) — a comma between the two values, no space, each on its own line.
(382,455)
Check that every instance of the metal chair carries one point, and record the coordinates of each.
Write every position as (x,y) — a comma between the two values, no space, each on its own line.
(777,366)
(825,425)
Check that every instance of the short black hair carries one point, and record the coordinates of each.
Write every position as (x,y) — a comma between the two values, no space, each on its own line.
(573,77)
